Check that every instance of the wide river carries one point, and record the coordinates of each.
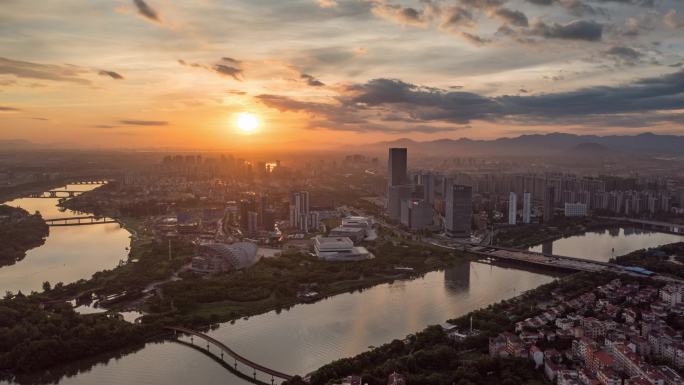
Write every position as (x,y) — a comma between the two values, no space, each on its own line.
(604,244)
(295,341)
(69,253)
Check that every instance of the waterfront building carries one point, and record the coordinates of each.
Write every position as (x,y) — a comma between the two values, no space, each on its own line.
(339,249)
(459,211)
(221,257)
(512,207)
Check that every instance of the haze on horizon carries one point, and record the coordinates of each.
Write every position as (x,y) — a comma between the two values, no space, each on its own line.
(154,73)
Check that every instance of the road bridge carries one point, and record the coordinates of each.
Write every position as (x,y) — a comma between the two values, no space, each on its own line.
(79,221)
(57,194)
(673,228)
(224,349)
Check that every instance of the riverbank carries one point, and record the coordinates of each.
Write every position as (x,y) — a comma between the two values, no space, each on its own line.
(433,357)
(22,190)
(20,231)
(524,236)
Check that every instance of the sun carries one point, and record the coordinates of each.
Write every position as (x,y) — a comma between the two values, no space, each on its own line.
(247,123)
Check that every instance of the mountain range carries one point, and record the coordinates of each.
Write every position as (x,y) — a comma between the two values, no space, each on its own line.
(544,144)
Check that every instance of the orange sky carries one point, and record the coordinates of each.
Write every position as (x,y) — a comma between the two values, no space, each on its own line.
(162,73)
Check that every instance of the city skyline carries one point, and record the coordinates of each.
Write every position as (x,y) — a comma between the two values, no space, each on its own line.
(297,74)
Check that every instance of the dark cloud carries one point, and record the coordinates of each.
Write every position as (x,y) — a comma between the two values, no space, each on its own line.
(512,17)
(475,39)
(144,122)
(483,4)
(111,74)
(360,106)
(231,60)
(400,14)
(676,65)
(312,81)
(226,70)
(9,109)
(146,11)
(59,73)
(624,53)
(584,30)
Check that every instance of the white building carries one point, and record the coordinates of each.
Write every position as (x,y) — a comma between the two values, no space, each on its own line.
(575,210)
(512,207)
(299,210)
(527,207)
(339,249)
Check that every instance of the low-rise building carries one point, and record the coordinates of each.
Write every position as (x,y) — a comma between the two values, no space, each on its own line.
(339,249)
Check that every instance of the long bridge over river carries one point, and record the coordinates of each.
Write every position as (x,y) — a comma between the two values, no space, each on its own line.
(553,261)
(237,358)
(79,221)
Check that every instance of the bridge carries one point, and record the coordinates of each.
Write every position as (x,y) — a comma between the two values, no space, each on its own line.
(79,221)
(551,261)
(672,228)
(57,194)
(223,349)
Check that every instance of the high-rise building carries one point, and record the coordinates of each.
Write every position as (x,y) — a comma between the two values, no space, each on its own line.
(252,222)
(397,167)
(512,207)
(416,214)
(245,206)
(527,207)
(458,211)
(427,180)
(299,210)
(396,195)
(398,187)
(549,199)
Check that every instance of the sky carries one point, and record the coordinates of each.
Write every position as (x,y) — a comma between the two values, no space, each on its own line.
(330,73)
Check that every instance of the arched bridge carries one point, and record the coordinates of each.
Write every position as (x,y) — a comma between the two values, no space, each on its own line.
(79,221)
(225,349)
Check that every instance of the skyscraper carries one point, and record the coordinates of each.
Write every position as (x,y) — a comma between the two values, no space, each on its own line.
(398,187)
(527,207)
(459,211)
(549,199)
(396,167)
(512,207)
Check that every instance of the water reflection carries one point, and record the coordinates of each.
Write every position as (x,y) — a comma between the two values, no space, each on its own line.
(457,277)
(307,336)
(603,244)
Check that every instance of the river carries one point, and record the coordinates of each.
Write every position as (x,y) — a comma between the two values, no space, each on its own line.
(603,244)
(305,337)
(70,253)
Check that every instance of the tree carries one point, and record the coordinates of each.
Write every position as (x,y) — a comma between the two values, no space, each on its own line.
(46,286)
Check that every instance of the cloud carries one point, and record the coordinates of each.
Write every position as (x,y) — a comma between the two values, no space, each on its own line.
(146,11)
(29,70)
(327,3)
(584,30)
(475,39)
(400,14)
(111,74)
(380,104)
(312,81)
(8,109)
(673,19)
(129,122)
(624,53)
(231,60)
(512,17)
(456,17)
(227,70)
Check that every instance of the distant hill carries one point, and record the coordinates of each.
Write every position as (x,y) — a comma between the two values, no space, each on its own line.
(546,144)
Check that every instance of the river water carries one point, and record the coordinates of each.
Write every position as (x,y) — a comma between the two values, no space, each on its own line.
(604,244)
(305,337)
(69,253)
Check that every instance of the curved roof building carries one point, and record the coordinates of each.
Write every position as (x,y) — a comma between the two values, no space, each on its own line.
(235,256)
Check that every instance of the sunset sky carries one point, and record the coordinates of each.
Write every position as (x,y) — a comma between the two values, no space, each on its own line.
(172,73)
